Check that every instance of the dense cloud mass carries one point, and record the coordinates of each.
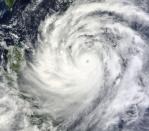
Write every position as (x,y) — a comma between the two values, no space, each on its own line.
(89,72)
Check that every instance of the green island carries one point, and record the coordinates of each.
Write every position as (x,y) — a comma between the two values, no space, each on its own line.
(9,3)
(15,58)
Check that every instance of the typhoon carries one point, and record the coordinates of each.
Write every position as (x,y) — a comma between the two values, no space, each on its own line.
(90,70)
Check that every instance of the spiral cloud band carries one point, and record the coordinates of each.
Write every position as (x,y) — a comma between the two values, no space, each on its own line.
(90,71)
